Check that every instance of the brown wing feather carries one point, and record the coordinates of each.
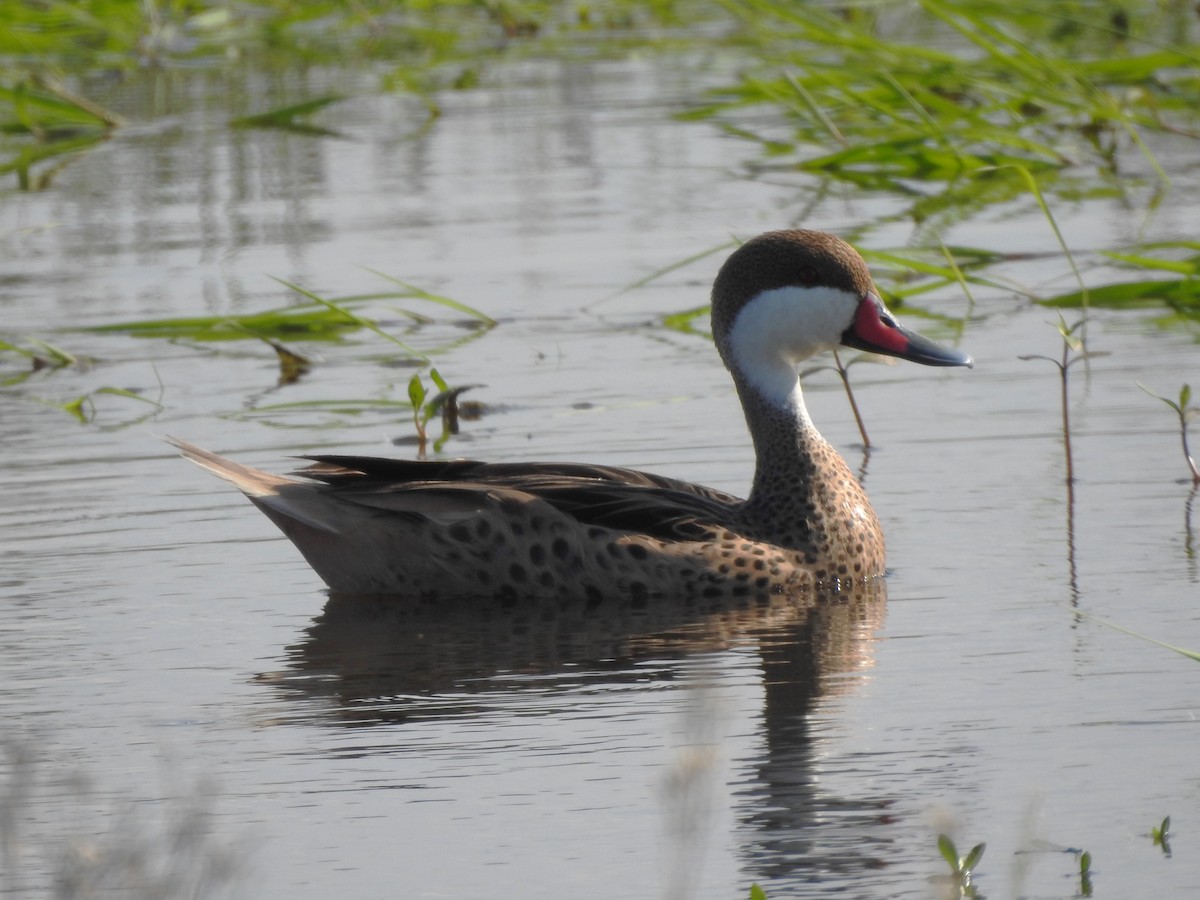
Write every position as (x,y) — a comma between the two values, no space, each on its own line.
(608,496)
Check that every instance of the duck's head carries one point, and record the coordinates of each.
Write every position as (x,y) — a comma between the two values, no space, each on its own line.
(786,295)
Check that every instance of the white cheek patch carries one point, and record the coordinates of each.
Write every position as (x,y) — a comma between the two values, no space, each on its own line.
(778,329)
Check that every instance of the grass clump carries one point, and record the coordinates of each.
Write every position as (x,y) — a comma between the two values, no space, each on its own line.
(41,121)
(880,95)
(424,48)
(321,319)
(84,410)
(1166,277)
(40,356)
(120,35)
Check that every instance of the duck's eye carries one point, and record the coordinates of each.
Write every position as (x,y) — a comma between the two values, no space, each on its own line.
(807,275)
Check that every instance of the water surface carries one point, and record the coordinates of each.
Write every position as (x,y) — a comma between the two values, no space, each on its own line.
(164,649)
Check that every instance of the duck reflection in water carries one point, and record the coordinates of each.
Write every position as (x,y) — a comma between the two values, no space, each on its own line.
(368,662)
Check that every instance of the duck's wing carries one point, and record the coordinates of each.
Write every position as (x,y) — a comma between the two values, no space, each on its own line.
(381,526)
(622,499)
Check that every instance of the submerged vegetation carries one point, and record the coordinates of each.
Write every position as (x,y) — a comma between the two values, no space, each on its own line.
(320,319)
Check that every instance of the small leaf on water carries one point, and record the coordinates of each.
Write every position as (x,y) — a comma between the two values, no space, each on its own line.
(76,407)
(1085,862)
(974,857)
(122,392)
(416,292)
(757,893)
(948,850)
(284,115)
(437,378)
(292,366)
(58,356)
(1185,396)
(416,391)
(1166,400)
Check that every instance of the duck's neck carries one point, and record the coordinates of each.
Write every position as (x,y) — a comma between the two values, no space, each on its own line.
(804,495)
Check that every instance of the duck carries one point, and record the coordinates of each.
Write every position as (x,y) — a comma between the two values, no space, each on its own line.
(431,529)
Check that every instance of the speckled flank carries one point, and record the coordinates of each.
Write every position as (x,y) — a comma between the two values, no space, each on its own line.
(518,546)
(593,533)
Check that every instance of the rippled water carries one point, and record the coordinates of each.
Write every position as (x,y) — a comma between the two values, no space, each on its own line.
(163,650)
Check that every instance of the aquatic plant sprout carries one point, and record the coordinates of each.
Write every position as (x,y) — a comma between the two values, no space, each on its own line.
(1185,412)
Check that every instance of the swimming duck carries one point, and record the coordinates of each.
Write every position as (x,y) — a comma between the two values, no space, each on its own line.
(432,529)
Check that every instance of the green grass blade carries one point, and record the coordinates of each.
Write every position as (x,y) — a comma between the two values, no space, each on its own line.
(57,355)
(309,322)
(447,302)
(285,116)
(1181,294)
(1036,190)
(354,317)
(1181,267)
(129,395)
(1182,651)
(665,270)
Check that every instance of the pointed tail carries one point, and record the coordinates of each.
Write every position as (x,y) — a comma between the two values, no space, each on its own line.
(251,482)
